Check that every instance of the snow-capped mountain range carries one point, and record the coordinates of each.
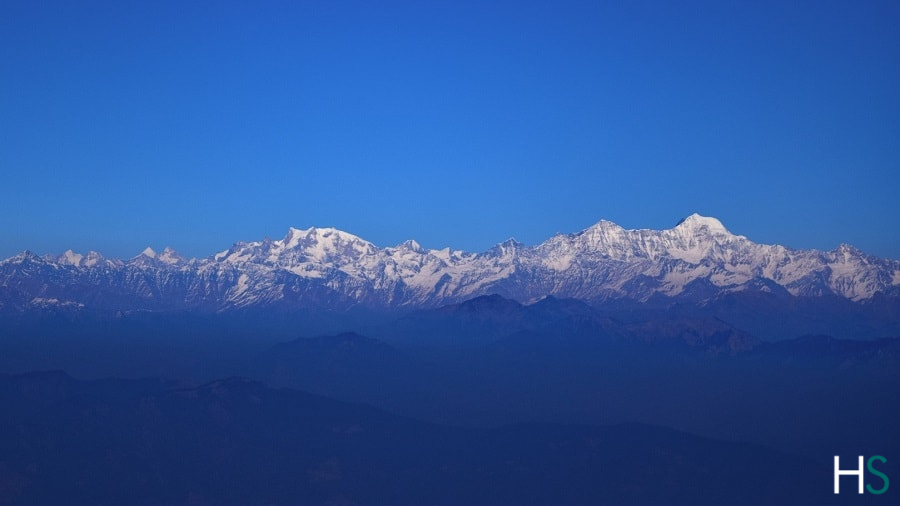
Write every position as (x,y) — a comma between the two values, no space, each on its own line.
(328,268)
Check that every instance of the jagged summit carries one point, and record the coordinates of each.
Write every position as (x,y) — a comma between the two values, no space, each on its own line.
(70,258)
(74,259)
(506,247)
(848,249)
(170,256)
(411,245)
(26,255)
(150,257)
(600,225)
(329,268)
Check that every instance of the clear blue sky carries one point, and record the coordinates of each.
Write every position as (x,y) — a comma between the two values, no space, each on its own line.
(198,124)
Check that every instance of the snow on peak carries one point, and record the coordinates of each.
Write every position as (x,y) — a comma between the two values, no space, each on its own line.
(77,259)
(91,259)
(70,258)
(317,245)
(603,225)
(26,255)
(170,257)
(696,223)
(335,234)
(411,245)
(507,247)
(845,248)
(148,252)
(295,236)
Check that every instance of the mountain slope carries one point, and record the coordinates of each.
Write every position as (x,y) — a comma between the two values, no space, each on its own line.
(235,441)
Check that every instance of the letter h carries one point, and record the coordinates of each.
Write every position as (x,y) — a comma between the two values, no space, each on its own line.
(838,472)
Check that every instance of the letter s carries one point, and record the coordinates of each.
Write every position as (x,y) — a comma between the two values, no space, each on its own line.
(879,474)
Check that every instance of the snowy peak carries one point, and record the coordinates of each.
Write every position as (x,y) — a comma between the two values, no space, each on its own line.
(508,247)
(78,260)
(293,237)
(847,250)
(411,245)
(696,224)
(69,258)
(307,253)
(25,257)
(91,259)
(296,237)
(322,244)
(169,256)
(603,225)
(150,258)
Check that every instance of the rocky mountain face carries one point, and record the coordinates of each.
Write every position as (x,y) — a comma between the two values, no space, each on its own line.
(327,268)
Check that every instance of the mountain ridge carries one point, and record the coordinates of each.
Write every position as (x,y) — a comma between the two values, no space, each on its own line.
(330,268)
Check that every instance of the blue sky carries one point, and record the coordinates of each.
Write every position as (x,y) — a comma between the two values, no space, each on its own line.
(198,124)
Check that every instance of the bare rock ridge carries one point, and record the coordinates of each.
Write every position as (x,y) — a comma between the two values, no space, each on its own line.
(329,268)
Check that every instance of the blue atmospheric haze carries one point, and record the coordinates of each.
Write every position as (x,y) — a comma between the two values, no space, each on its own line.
(197,124)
